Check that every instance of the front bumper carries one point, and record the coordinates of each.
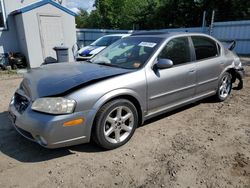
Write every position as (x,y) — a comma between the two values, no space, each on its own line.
(84,58)
(48,130)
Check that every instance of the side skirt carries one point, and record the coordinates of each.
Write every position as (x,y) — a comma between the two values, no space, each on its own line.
(165,109)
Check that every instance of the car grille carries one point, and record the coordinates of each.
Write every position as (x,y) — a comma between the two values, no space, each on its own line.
(21,103)
(86,55)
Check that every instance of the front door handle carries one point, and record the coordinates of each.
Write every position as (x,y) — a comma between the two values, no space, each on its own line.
(191,71)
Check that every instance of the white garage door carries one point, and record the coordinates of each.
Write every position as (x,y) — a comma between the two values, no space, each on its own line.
(51,34)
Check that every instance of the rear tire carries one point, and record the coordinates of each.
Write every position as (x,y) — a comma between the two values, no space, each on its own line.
(225,87)
(115,124)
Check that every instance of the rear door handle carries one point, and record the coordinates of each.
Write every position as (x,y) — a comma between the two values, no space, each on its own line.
(191,71)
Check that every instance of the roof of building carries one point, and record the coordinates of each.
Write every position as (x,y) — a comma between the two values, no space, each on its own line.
(42,3)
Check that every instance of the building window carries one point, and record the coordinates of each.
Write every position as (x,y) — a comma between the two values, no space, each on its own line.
(2,16)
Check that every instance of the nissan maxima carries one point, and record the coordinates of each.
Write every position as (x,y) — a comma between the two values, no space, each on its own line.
(106,98)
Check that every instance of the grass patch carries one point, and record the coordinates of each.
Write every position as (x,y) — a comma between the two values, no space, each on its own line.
(10,72)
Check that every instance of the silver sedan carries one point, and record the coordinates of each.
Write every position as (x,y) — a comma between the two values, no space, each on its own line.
(134,79)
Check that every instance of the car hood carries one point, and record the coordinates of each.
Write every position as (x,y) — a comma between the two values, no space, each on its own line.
(90,50)
(56,79)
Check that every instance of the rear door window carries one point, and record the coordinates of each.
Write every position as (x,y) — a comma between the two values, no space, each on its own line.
(177,50)
(204,47)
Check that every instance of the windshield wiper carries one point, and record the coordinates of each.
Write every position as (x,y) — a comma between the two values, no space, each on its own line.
(108,64)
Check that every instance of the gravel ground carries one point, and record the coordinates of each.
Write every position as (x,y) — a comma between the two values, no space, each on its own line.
(205,144)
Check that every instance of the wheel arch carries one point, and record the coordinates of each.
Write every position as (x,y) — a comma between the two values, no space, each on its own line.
(134,101)
(230,69)
(233,73)
(128,94)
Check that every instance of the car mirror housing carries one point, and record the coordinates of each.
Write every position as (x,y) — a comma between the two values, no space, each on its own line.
(164,64)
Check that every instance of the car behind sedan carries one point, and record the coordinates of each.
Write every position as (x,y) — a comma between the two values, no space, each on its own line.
(134,79)
(97,46)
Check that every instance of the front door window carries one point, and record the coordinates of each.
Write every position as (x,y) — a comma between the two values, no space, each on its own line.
(177,50)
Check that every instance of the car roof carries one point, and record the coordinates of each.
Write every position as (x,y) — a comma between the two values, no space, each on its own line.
(118,35)
(164,34)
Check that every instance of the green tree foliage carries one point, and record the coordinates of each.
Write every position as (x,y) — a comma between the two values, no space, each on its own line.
(228,10)
(82,19)
(124,14)
(94,20)
(156,14)
(179,13)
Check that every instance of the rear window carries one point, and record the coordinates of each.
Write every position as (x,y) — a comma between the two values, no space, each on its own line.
(204,47)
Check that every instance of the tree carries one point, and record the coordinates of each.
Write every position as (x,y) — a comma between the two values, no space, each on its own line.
(157,14)
(179,13)
(82,19)
(94,20)
(140,13)
(227,10)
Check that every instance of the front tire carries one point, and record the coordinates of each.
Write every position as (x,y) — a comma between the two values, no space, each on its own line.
(225,87)
(115,124)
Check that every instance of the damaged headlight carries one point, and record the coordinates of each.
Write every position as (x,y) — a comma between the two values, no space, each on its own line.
(54,105)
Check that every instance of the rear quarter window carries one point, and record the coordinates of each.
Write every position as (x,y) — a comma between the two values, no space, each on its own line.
(205,47)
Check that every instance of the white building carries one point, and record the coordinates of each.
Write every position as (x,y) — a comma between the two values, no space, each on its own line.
(34,28)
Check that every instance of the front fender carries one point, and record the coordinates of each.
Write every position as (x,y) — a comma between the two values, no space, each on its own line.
(118,93)
(109,96)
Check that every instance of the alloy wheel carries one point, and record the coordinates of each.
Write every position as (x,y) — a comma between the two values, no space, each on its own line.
(225,87)
(119,124)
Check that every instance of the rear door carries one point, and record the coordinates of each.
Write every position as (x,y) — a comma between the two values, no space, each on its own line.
(209,64)
(172,86)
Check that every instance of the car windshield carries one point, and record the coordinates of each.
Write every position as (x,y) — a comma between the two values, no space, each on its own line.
(105,41)
(129,52)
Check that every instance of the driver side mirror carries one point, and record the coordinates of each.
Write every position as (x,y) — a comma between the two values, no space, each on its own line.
(164,64)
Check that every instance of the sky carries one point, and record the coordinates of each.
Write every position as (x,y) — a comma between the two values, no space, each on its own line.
(85,4)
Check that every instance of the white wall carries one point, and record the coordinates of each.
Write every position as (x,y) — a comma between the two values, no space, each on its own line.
(8,38)
(21,39)
(31,33)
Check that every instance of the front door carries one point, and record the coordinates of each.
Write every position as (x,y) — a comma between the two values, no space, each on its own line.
(172,86)
(51,32)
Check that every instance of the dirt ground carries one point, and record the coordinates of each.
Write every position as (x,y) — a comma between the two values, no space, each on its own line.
(206,144)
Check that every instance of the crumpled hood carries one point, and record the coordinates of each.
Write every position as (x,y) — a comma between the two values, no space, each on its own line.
(90,50)
(55,79)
